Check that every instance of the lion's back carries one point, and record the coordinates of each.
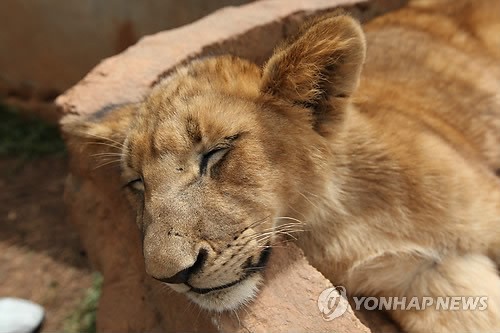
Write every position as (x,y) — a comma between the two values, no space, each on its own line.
(432,69)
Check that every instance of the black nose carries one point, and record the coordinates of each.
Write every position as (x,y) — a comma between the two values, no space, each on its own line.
(183,276)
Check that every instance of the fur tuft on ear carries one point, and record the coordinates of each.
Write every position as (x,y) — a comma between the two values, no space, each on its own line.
(319,68)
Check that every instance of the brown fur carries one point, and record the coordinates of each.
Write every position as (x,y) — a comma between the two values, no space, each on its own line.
(391,174)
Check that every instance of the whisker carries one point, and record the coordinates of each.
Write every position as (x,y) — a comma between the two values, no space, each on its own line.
(166,289)
(275,231)
(200,310)
(281,227)
(308,200)
(289,224)
(281,243)
(239,321)
(187,307)
(258,222)
(259,238)
(296,211)
(120,144)
(161,290)
(286,233)
(106,154)
(244,307)
(267,235)
(106,163)
(103,144)
(273,246)
(279,231)
(289,218)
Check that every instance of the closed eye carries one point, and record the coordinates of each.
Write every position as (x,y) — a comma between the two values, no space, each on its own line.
(217,153)
(212,157)
(136,185)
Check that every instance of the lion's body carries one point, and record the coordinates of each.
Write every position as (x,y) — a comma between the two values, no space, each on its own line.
(424,143)
(392,174)
(433,67)
(421,145)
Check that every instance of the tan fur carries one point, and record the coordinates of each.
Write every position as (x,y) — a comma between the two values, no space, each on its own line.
(390,174)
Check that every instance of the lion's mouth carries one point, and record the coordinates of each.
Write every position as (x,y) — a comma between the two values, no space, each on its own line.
(203,291)
(249,268)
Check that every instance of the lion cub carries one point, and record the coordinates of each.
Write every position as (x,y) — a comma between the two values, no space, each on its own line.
(377,150)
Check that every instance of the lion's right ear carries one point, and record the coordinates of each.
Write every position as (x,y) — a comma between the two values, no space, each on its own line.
(319,68)
(104,131)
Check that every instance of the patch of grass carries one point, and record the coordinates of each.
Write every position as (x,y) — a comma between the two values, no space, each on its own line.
(27,137)
(83,319)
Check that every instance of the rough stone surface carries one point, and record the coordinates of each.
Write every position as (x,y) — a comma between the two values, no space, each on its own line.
(131,301)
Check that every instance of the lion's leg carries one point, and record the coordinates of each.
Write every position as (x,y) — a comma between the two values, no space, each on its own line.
(470,275)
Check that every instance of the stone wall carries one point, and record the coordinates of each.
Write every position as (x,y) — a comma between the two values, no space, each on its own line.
(131,301)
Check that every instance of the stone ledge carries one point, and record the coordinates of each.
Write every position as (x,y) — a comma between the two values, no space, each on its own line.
(131,301)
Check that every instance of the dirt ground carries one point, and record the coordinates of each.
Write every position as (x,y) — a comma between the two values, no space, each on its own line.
(40,254)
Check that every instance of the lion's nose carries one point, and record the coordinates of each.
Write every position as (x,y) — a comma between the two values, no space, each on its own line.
(183,276)
(180,277)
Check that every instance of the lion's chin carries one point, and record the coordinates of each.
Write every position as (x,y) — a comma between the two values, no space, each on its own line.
(230,298)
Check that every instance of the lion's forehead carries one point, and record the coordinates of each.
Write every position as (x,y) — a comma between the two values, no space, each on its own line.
(204,121)
(226,75)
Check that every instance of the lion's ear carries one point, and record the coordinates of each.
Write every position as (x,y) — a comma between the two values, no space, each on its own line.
(319,68)
(105,130)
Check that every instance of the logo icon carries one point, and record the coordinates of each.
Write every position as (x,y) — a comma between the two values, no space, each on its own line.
(332,303)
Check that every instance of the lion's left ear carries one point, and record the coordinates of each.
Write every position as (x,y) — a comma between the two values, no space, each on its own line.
(318,69)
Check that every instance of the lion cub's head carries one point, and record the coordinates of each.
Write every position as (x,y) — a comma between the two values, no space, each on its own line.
(217,158)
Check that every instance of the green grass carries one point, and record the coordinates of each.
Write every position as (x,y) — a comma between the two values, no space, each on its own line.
(83,319)
(27,137)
